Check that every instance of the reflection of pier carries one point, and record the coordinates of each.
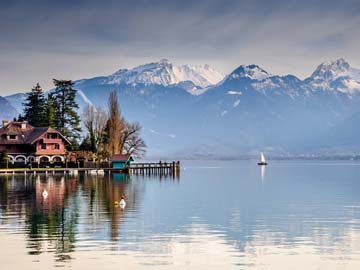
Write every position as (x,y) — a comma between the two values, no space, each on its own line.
(159,168)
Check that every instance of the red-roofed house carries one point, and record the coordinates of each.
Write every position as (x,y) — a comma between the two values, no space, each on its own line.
(25,143)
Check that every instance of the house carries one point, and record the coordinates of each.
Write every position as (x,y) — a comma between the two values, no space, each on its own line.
(121,161)
(25,143)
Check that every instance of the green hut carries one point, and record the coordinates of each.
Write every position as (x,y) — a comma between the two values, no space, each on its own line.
(121,161)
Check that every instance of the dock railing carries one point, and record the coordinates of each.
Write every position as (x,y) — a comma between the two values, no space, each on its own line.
(155,168)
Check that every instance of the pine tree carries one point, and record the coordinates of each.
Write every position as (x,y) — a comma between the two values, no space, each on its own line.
(20,118)
(35,107)
(66,119)
(51,108)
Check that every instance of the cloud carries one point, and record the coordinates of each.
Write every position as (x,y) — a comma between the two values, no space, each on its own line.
(75,39)
(172,136)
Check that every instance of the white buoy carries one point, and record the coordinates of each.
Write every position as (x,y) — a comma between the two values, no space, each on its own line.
(122,203)
(45,194)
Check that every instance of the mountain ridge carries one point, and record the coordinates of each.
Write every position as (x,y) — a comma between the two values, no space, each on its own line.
(248,109)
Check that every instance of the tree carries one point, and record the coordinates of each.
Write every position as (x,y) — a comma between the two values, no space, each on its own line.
(130,140)
(20,118)
(51,106)
(35,107)
(67,121)
(122,137)
(85,144)
(114,125)
(113,134)
(4,156)
(95,122)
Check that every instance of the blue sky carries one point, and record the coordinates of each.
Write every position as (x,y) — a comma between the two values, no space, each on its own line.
(42,40)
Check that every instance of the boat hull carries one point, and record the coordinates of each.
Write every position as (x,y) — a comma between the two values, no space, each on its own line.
(262,163)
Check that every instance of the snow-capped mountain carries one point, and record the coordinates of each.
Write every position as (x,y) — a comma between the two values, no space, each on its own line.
(335,75)
(182,107)
(165,73)
(252,72)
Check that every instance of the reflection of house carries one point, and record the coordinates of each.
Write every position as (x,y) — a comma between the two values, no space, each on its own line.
(121,161)
(25,143)
(56,188)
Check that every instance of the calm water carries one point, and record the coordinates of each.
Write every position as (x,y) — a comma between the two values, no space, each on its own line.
(216,215)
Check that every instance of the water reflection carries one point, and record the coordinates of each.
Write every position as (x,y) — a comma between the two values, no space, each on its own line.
(262,172)
(54,219)
(299,216)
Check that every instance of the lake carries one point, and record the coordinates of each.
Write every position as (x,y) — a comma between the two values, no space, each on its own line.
(215,215)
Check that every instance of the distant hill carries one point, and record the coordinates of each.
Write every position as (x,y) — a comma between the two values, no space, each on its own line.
(17,100)
(7,111)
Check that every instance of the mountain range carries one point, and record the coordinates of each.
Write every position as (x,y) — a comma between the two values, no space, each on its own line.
(197,112)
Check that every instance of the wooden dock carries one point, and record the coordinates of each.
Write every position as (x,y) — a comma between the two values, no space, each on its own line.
(159,168)
(72,171)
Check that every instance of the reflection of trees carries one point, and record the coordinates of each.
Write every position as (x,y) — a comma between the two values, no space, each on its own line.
(15,192)
(105,192)
(112,190)
(54,220)
(54,217)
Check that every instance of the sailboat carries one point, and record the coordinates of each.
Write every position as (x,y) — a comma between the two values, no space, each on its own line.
(262,159)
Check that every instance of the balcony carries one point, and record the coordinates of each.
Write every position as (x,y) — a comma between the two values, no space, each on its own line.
(51,141)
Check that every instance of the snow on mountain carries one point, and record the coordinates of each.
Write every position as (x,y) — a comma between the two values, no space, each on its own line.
(165,73)
(256,109)
(234,92)
(335,75)
(84,97)
(252,72)
(331,70)
(203,75)
(279,85)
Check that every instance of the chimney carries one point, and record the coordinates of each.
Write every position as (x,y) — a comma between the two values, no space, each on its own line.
(23,125)
(5,123)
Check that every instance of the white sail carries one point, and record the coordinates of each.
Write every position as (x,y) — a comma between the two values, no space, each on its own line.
(262,157)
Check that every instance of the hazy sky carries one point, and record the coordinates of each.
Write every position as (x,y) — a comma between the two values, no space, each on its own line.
(42,40)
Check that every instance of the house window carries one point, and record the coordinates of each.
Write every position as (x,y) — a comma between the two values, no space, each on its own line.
(43,146)
(56,146)
(52,136)
(12,137)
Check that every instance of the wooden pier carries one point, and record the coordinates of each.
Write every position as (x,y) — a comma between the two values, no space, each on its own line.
(72,171)
(159,168)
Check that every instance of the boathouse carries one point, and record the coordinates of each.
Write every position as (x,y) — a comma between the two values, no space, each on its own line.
(121,161)
(25,143)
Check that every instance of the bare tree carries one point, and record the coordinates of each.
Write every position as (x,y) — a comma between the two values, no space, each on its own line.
(130,140)
(95,122)
(89,119)
(99,127)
